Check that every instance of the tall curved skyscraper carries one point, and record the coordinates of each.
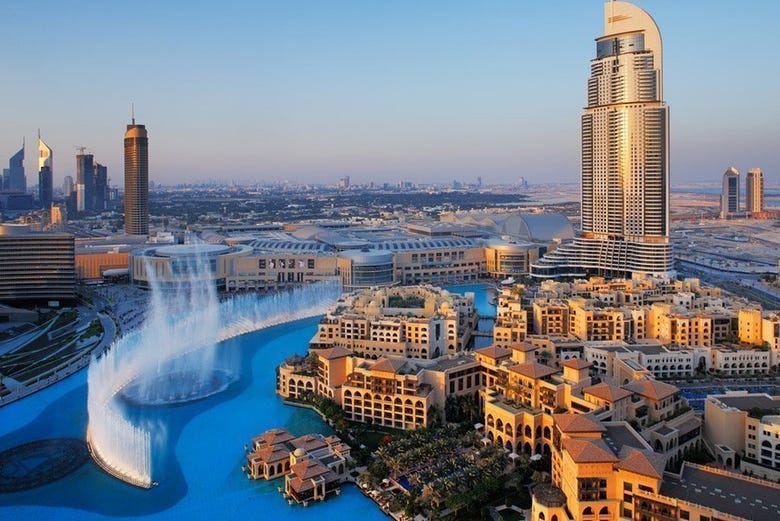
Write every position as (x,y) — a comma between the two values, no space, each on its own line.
(625,157)
(45,174)
(136,180)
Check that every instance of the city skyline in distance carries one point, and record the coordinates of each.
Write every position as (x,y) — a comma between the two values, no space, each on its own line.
(380,93)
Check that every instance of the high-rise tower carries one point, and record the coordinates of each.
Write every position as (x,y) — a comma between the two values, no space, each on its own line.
(85,181)
(625,157)
(101,187)
(136,180)
(754,191)
(729,196)
(15,180)
(45,173)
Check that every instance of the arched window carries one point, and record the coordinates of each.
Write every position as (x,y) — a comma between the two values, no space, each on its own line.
(541,516)
(587,512)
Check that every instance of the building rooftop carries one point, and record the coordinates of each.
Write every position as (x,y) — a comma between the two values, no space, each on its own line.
(649,349)
(620,435)
(571,423)
(533,370)
(745,402)
(645,462)
(724,491)
(333,353)
(494,352)
(589,451)
(576,363)
(607,392)
(652,389)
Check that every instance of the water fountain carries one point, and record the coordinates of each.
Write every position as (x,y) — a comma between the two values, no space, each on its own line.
(171,360)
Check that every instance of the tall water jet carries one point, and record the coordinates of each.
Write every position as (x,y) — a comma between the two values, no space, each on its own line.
(171,359)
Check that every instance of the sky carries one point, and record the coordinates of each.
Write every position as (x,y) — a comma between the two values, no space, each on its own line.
(418,90)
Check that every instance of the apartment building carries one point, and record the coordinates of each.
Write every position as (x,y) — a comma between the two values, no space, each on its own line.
(419,322)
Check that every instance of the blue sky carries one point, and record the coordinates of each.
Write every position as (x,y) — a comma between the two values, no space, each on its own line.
(380,90)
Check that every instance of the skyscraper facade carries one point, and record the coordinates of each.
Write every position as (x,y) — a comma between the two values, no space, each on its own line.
(15,180)
(136,180)
(67,185)
(85,181)
(754,191)
(624,157)
(45,174)
(729,195)
(101,187)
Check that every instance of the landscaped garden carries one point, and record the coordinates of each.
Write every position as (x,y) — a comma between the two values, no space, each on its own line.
(447,472)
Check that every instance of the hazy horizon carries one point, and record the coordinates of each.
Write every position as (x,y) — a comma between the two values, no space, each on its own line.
(310,91)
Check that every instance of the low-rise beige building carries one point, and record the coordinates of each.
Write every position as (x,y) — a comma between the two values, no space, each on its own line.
(419,322)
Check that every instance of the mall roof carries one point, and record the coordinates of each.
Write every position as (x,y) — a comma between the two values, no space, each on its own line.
(543,227)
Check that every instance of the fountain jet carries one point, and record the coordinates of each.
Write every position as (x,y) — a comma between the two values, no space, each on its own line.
(171,359)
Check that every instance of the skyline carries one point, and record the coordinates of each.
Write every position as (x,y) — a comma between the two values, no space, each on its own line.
(310,92)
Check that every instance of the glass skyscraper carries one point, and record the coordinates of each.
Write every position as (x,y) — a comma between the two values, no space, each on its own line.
(85,179)
(625,157)
(729,196)
(45,174)
(136,180)
(16,180)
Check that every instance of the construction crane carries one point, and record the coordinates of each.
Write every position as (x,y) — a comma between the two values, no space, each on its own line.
(82,150)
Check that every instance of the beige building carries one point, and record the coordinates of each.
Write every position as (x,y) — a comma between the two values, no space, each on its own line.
(744,431)
(511,324)
(551,317)
(419,322)
(754,191)
(588,321)
(93,261)
(750,326)
(394,392)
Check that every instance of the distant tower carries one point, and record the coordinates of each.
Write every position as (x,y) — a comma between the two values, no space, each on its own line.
(136,180)
(729,197)
(16,180)
(45,173)
(85,178)
(101,187)
(344,182)
(67,185)
(754,191)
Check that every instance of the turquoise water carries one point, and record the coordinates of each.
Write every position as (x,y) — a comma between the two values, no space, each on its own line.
(201,478)
(482,294)
(200,471)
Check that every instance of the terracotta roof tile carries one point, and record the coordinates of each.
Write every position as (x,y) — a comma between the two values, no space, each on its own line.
(494,352)
(333,353)
(388,365)
(523,346)
(607,392)
(533,370)
(576,363)
(652,389)
(588,451)
(646,463)
(570,422)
